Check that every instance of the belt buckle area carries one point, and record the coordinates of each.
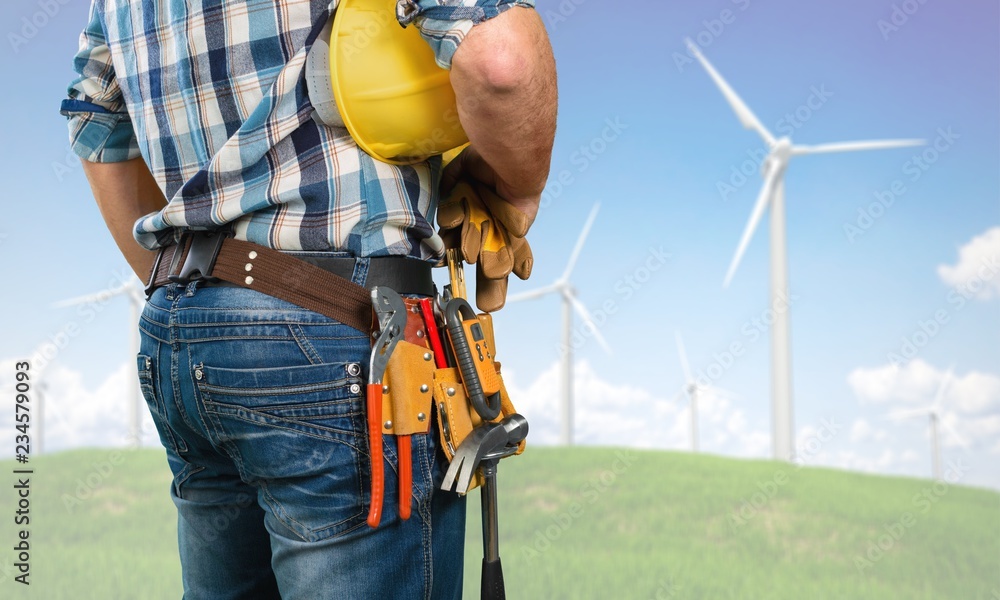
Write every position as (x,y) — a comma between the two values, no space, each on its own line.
(203,249)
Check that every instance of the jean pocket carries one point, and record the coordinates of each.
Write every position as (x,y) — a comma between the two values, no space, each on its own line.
(154,401)
(298,433)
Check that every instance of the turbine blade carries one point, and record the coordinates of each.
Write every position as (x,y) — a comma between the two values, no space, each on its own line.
(954,434)
(688,378)
(533,294)
(763,200)
(855,146)
(579,242)
(743,112)
(584,314)
(942,387)
(95,297)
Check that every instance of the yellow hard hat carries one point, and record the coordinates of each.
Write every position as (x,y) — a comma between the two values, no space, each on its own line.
(394,99)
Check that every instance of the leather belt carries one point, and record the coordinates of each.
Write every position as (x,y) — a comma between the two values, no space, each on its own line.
(320,284)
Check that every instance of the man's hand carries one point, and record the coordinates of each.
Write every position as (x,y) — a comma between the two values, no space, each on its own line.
(470,165)
(125,192)
(489,231)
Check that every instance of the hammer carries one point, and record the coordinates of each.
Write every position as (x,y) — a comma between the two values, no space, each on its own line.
(483,449)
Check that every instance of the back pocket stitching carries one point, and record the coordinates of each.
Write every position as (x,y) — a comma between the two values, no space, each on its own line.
(270,420)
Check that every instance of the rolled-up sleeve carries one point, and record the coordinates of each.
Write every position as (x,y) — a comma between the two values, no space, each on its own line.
(445,23)
(100,129)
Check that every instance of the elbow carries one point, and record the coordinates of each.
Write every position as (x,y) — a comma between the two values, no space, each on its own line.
(505,71)
(505,55)
(502,71)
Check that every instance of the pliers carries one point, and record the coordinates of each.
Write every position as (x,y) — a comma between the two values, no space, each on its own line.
(390,310)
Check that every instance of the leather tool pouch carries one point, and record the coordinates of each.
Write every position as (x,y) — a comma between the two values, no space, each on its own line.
(406,395)
(414,390)
(455,415)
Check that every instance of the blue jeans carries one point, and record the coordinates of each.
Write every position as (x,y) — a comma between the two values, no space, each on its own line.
(260,406)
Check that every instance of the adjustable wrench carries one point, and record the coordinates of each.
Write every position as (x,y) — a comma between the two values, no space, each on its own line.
(391,314)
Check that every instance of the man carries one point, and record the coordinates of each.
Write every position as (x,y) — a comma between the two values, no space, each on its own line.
(195,116)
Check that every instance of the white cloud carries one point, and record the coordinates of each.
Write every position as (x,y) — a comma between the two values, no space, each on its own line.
(968,409)
(975,274)
(917,383)
(75,416)
(615,414)
(862,430)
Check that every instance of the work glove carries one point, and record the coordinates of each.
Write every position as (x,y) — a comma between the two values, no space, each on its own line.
(490,232)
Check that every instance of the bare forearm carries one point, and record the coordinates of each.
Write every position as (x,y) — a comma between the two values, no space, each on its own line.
(505,82)
(126,191)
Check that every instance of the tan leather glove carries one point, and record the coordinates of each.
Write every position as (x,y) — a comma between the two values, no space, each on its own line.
(490,233)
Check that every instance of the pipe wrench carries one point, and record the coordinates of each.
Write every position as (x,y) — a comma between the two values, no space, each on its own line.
(391,314)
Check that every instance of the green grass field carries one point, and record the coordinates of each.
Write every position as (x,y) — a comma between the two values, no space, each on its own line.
(586,523)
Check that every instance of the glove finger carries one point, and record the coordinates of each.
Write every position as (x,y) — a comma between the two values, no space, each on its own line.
(496,255)
(472,242)
(491,294)
(453,210)
(512,219)
(496,265)
(524,259)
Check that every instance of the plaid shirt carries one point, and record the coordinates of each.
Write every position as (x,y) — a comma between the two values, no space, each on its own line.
(212,94)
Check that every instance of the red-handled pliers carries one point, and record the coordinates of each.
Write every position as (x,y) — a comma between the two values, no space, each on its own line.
(390,310)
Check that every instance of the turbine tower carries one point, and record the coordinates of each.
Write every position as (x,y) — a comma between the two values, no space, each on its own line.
(693,391)
(772,196)
(136,299)
(571,303)
(690,389)
(933,414)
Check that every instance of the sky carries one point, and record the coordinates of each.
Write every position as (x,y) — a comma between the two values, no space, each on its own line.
(893,255)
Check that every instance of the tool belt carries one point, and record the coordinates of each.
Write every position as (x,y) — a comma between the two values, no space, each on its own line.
(422,374)
(319,284)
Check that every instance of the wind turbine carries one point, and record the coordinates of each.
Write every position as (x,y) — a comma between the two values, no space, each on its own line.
(933,413)
(692,390)
(136,299)
(780,151)
(571,303)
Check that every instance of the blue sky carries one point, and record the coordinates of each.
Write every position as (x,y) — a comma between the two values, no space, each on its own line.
(660,139)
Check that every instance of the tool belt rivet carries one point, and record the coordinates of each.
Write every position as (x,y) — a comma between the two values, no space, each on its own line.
(385,389)
(249,280)
(424,388)
(253,254)
(451,391)
(421,417)
(427,356)
(420,333)
(387,425)
(249,267)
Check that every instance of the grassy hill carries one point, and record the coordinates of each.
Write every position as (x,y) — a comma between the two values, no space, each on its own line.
(586,523)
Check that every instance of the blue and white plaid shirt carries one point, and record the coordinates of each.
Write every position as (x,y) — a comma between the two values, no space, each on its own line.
(212,94)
